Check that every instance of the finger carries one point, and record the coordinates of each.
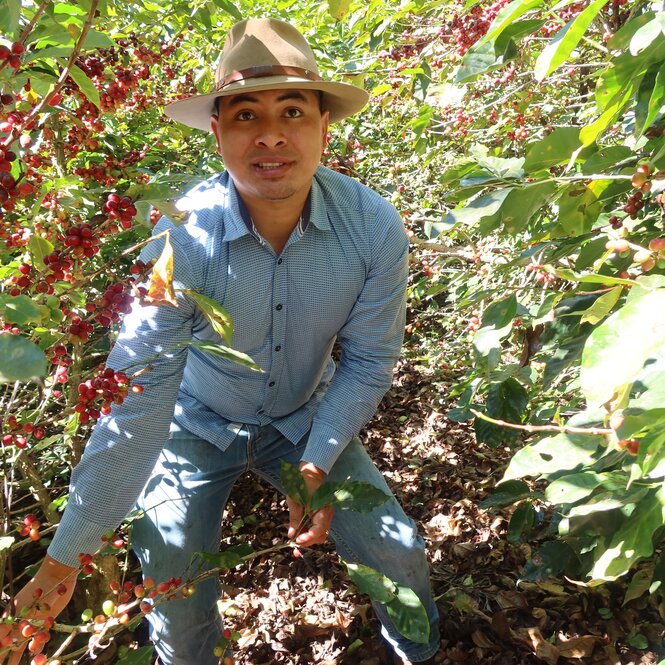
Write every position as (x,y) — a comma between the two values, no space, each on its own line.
(15,658)
(296,512)
(318,531)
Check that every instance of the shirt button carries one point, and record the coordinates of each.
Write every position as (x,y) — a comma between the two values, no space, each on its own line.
(280,261)
(271,384)
(278,348)
(278,307)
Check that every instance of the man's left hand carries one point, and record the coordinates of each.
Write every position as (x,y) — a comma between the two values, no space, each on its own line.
(320,520)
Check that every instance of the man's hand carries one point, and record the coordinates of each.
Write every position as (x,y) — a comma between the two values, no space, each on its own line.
(321,519)
(42,598)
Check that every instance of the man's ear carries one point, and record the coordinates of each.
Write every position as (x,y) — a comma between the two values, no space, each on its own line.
(325,122)
(214,126)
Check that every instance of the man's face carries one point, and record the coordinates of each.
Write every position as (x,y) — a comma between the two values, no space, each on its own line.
(271,143)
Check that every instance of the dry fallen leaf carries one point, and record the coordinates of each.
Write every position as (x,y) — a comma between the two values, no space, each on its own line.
(539,645)
(576,647)
(160,291)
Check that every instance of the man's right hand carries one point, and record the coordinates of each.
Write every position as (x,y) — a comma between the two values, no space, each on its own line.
(44,596)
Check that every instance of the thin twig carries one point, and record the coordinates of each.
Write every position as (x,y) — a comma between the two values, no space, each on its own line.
(61,79)
(28,28)
(566,429)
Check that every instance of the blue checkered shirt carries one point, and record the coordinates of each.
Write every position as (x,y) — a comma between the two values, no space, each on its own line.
(341,276)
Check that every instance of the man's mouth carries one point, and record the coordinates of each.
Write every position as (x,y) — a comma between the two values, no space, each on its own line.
(270,165)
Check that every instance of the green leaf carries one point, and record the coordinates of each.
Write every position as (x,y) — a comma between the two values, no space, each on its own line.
(93,40)
(612,356)
(591,132)
(646,34)
(602,306)
(552,559)
(607,502)
(230,8)
(578,209)
(483,206)
(10,13)
(556,148)
(229,558)
(487,56)
(482,59)
(338,8)
(19,309)
(562,44)
(65,45)
(225,352)
(573,487)
(501,167)
(85,84)
(505,401)
(409,615)
(592,278)
(507,16)
(637,640)
(140,656)
(293,482)
(554,454)
(605,159)
(39,248)
(639,584)
(522,204)
(20,359)
(633,540)
(506,494)
(521,522)
(69,10)
(653,89)
(658,578)
(622,37)
(497,323)
(371,582)
(350,495)
(219,318)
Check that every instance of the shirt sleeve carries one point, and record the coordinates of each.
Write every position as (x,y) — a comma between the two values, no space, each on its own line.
(370,341)
(125,444)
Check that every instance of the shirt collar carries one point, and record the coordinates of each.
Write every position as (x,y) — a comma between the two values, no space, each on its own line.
(237,221)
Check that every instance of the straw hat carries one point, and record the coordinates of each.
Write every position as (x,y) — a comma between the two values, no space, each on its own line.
(266,54)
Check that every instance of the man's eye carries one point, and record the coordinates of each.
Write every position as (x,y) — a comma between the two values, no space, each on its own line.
(245,115)
(293,113)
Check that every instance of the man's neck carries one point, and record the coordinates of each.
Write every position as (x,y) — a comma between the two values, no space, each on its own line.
(275,220)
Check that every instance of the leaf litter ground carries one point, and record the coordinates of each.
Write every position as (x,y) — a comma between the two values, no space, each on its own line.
(303,610)
(297,611)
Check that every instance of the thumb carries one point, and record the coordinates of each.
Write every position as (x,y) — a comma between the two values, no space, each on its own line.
(296,513)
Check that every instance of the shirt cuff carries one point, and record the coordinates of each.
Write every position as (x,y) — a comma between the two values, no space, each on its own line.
(75,535)
(324,446)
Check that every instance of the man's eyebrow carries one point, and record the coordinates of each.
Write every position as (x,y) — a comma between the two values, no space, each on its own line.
(245,98)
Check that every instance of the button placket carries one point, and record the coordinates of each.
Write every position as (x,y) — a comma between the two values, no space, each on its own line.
(280,295)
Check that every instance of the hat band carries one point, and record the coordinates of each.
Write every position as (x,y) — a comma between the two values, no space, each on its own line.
(261,71)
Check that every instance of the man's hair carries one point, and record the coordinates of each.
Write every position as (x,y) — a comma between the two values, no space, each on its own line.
(320,95)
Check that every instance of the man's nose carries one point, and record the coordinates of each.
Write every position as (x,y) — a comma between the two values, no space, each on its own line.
(270,134)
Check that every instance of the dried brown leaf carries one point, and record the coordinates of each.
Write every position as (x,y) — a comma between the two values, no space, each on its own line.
(512,599)
(539,645)
(480,639)
(576,647)
(160,291)
(501,626)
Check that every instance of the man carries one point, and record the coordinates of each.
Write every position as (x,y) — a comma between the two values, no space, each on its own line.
(301,257)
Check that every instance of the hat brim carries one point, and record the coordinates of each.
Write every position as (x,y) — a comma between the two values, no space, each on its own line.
(340,99)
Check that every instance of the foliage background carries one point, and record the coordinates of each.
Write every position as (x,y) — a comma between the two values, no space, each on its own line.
(523,144)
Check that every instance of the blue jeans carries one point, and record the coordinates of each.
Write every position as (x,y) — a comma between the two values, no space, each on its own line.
(183,504)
